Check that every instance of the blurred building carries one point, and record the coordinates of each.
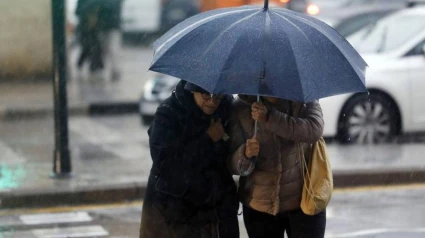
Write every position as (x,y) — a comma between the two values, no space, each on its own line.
(26,38)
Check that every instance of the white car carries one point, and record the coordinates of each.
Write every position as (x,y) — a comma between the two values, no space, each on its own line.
(394,48)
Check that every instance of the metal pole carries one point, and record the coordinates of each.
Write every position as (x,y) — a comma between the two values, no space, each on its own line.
(266,4)
(61,154)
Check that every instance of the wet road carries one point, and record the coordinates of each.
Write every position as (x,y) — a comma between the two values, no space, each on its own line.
(372,213)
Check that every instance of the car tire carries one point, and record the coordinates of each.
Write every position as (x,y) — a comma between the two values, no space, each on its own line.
(368,119)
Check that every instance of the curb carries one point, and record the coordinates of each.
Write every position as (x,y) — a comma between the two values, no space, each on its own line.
(112,108)
(343,179)
(99,195)
(136,191)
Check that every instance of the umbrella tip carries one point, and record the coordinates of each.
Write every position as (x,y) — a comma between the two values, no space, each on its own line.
(266,4)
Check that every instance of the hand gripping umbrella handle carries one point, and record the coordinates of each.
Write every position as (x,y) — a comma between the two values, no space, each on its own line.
(252,160)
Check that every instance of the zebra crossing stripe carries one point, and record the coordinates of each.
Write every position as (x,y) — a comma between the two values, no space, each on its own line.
(101,135)
(8,155)
(55,218)
(78,231)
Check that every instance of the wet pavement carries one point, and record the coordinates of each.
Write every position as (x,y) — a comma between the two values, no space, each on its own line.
(105,151)
(112,153)
(363,213)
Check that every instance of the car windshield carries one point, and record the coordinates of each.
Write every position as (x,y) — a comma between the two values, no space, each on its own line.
(387,34)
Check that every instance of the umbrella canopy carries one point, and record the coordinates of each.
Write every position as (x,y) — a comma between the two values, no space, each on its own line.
(260,51)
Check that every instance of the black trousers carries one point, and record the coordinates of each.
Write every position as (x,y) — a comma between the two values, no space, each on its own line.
(295,223)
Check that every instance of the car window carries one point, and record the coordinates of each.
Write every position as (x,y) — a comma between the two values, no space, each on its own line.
(356,23)
(388,33)
(417,50)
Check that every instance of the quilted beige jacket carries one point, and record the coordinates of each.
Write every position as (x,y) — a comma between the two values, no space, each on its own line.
(276,183)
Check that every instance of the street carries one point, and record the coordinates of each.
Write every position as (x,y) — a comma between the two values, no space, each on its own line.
(369,212)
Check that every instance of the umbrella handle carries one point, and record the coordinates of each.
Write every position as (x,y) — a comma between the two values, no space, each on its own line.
(252,160)
(266,4)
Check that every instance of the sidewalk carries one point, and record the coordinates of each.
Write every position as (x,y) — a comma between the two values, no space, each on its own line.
(27,184)
(85,96)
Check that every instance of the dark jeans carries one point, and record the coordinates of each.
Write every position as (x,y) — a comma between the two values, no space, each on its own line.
(295,223)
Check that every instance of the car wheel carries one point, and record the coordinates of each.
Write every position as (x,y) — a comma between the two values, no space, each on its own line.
(368,119)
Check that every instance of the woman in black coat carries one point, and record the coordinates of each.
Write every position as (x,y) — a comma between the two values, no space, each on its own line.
(191,192)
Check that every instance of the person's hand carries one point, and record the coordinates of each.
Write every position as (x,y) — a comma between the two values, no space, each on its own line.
(259,112)
(216,131)
(252,148)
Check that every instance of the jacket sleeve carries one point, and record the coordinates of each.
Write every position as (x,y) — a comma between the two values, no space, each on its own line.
(167,142)
(175,157)
(307,128)
(237,144)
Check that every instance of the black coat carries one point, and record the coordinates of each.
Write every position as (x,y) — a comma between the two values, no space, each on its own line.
(190,179)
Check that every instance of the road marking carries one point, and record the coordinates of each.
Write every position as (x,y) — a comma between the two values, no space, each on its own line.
(94,132)
(100,135)
(361,233)
(80,231)
(11,212)
(55,218)
(8,155)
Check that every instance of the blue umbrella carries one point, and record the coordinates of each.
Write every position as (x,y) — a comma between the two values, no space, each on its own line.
(264,51)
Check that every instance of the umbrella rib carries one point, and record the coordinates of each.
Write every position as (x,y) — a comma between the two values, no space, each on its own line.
(320,29)
(224,65)
(226,30)
(200,23)
(308,39)
(266,49)
(359,72)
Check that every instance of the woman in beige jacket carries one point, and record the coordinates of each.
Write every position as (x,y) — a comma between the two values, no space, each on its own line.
(271,194)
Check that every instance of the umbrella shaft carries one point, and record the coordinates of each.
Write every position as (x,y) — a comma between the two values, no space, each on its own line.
(266,4)
(256,122)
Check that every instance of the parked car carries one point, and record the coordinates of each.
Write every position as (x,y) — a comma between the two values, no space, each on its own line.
(175,11)
(335,8)
(141,17)
(359,19)
(156,89)
(394,48)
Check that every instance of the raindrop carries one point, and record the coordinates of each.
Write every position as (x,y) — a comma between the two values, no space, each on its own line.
(343,115)
(349,138)
(368,93)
